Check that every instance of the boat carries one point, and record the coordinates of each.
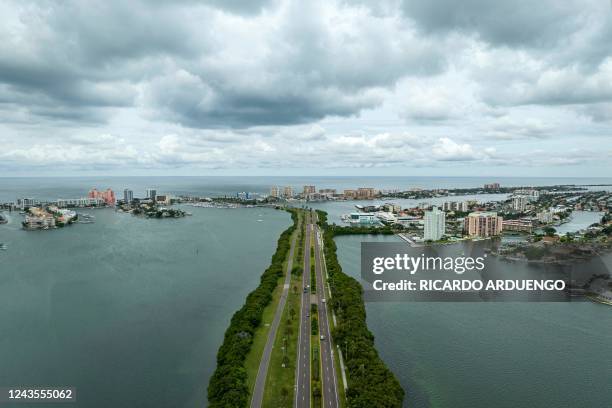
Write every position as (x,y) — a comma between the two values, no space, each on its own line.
(3,247)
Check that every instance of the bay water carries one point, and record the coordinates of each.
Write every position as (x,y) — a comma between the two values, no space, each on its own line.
(132,311)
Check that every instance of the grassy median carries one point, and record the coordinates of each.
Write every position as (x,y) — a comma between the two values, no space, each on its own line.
(279,391)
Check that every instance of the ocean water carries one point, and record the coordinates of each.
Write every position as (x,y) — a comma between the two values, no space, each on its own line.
(12,188)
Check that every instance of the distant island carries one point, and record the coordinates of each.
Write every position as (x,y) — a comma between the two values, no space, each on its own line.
(150,210)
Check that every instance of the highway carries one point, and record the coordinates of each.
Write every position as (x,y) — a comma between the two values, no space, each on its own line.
(329,381)
(262,371)
(302,374)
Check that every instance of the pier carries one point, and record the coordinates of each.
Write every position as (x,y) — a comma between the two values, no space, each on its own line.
(409,240)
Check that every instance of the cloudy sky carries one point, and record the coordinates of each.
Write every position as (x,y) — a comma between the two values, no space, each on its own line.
(231,87)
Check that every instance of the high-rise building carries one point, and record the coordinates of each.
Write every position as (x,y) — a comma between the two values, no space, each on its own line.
(309,190)
(274,192)
(545,217)
(531,194)
(151,193)
(108,196)
(455,206)
(128,196)
(288,192)
(492,186)
(435,224)
(365,193)
(483,224)
(349,194)
(519,203)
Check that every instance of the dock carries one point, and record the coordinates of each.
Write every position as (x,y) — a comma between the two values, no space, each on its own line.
(409,240)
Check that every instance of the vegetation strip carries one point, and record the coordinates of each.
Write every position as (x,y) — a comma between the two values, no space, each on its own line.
(279,390)
(370,382)
(228,384)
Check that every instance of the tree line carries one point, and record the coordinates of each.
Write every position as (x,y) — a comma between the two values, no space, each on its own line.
(228,384)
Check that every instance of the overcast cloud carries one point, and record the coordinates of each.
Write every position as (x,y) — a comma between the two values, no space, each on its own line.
(324,87)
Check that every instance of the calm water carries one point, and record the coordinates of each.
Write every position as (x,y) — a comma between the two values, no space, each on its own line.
(492,354)
(129,311)
(132,311)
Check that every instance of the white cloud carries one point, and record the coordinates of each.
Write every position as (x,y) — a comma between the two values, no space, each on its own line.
(310,85)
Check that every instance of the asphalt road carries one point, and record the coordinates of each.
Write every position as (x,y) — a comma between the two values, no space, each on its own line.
(329,381)
(302,374)
(262,372)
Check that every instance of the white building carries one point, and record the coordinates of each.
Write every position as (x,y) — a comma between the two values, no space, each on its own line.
(455,206)
(24,203)
(80,202)
(519,203)
(531,194)
(151,193)
(363,218)
(545,217)
(434,224)
(128,196)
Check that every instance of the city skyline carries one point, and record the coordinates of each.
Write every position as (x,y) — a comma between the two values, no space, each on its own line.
(322,88)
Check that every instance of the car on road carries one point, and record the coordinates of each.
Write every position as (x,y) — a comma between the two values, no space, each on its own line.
(322,337)
(323,300)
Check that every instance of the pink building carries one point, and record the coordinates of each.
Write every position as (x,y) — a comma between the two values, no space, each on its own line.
(108,196)
(483,224)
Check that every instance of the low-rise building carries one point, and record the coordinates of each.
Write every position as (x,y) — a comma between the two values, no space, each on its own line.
(80,202)
(363,218)
(392,207)
(520,225)
(24,203)
(38,218)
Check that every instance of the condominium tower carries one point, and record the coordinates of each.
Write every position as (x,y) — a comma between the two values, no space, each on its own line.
(435,224)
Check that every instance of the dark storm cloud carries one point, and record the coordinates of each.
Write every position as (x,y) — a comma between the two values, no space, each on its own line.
(78,56)
(501,22)
(309,65)
(302,69)
(296,63)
